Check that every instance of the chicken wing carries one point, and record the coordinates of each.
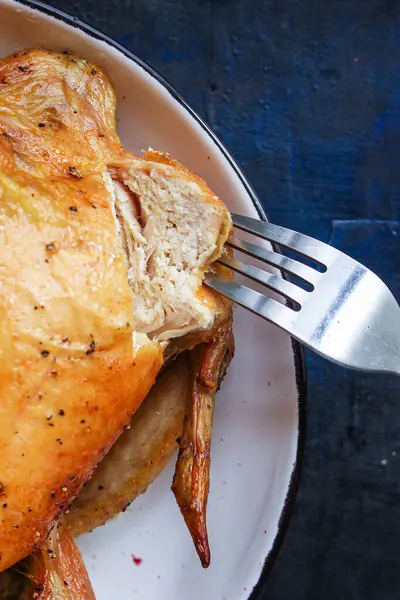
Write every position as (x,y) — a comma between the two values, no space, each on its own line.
(192,474)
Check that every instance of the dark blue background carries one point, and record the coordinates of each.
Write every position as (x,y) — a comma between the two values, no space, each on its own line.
(306,95)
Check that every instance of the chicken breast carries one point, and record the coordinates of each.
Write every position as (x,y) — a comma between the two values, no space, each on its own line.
(94,274)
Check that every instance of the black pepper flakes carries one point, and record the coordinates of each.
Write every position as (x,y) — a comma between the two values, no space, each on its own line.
(83,421)
(65,340)
(2,490)
(45,353)
(61,412)
(5,504)
(93,71)
(41,124)
(39,587)
(101,487)
(73,171)
(53,494)
(54,373)
(23,68)
(51,247)
(91,348)
(73,209)
(59,440)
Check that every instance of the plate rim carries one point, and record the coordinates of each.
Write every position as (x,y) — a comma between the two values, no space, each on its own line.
(297,348)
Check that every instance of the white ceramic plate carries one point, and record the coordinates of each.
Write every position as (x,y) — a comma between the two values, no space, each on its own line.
(260,413)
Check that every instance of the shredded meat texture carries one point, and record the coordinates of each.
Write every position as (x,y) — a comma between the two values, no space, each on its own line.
(101,260)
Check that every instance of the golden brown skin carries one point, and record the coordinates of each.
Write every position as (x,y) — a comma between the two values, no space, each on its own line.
(139,455)
(70,375)
(191,482)
(56,571)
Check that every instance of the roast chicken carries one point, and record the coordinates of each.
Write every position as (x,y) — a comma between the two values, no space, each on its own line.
(102,258)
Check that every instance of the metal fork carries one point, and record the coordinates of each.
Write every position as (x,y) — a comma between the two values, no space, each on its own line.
(337,307)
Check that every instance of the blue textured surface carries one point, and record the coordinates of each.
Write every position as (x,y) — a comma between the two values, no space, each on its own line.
(306,95)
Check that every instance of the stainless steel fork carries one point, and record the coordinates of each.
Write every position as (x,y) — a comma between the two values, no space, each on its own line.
(337,307)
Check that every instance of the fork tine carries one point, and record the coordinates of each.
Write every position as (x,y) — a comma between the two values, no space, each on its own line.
(303,244)
(274,259)
(270,281)
(261,305)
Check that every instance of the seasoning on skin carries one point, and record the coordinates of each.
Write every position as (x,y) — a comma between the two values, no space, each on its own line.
(93,71)
(91,348)
(73,209)
(54,373)
(22,68)
(5,504)
(65,340)
(41,124)
(45,353)
(83,421)
(59,440)
(73,171)
(61,412)
(101,487)
(53,494)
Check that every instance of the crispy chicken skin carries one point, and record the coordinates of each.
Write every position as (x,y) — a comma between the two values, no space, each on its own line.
(139,455)
(71,374)
(56,571)
(208,365)
(76,356)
